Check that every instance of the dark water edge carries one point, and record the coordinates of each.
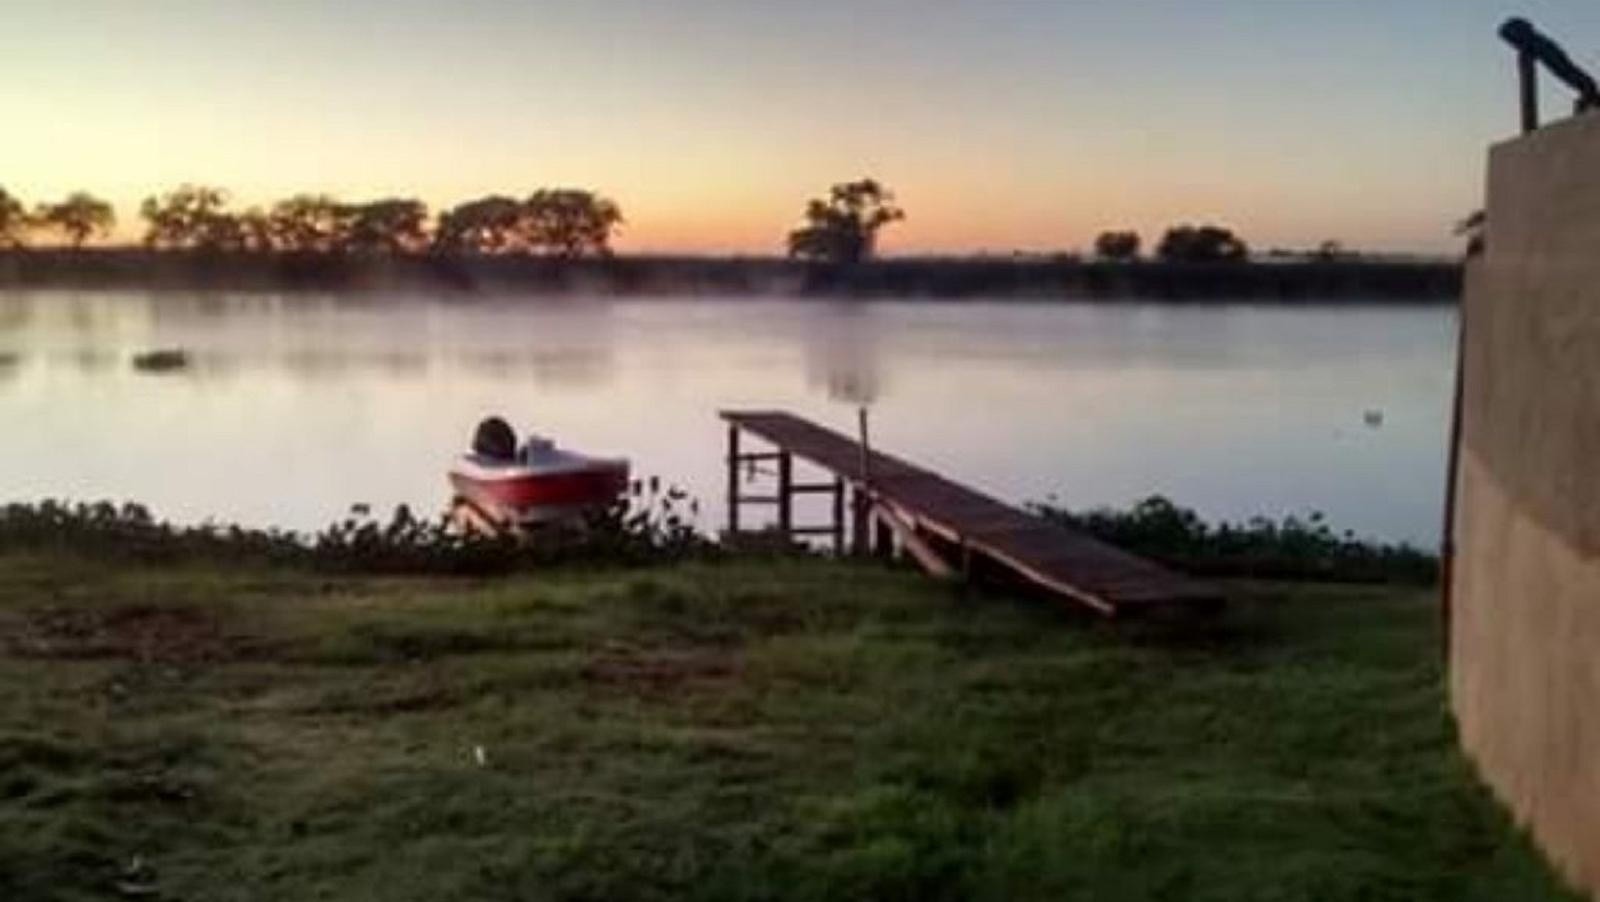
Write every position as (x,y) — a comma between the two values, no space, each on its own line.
(940,278)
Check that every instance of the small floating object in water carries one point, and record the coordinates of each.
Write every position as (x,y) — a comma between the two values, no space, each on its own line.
(534,483)
(161,361)
(1373,417)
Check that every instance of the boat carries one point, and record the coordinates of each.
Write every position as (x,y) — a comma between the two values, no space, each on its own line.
(532,483)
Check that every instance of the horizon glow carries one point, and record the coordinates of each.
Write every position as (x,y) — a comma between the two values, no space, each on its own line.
(1001,126)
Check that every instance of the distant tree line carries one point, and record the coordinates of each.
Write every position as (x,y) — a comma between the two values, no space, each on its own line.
(843,228)
(1180,244)
(840,228)
(559,222)
(1219,244)
(77,218)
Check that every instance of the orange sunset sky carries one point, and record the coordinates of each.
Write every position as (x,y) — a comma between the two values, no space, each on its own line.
(1007,125)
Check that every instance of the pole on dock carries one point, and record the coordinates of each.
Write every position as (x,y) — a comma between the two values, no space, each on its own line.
(866,446)
(860,525)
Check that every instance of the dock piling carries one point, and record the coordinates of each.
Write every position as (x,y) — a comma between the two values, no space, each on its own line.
(838,516)
(786,495)
(733,479)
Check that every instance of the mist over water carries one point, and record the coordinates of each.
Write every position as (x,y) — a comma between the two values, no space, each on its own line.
(293,407)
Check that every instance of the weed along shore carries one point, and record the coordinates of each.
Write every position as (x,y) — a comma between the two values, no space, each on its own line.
(188,718)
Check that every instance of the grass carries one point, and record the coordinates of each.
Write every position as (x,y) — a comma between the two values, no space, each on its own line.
(737,730)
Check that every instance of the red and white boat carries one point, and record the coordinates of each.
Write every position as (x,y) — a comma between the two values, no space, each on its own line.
(534,482)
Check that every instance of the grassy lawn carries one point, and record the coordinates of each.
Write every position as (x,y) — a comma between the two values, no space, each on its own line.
(747,730)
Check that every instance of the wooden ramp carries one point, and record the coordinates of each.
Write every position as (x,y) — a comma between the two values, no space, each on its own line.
(1060,560)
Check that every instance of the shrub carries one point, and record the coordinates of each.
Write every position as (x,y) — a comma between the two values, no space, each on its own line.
(1290,548)
(651,524)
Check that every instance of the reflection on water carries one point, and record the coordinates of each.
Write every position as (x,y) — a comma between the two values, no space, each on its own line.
(841,354)
(292,407)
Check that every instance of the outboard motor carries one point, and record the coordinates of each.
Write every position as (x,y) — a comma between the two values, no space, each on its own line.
(495,440)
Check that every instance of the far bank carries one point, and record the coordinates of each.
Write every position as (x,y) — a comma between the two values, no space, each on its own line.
(1403,281)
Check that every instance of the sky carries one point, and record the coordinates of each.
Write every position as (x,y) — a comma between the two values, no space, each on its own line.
(1001,125)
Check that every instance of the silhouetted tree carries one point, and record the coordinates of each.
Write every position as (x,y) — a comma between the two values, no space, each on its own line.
(844,227)
(78,217)
(192,216)
(308,223)
(1117,245)
(1330,251)
(488,225)
(568,222)
(14,221)
(390,226)
(1201,244)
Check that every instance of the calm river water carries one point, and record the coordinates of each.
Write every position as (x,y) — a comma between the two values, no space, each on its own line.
(295,407)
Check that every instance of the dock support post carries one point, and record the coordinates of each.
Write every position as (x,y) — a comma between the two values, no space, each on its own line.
(861,520)
(860,540)
(838,517)
(786,496)
(883,538)
(733,480)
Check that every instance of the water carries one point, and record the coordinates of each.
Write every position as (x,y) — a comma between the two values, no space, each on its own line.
(295,407)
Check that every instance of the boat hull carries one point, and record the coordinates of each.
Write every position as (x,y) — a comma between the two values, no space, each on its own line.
(523,495)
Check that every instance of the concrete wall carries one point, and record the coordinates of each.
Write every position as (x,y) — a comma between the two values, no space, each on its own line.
(1525,601)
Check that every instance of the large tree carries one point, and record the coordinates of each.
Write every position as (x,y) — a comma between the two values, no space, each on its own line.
(569,223)
(14,221)
(78,217)
(488,225)
(192,216)
(843,228)
(1117,245)
(1201,244)
(389,226)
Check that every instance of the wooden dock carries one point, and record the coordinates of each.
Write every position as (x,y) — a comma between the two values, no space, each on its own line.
(948,527)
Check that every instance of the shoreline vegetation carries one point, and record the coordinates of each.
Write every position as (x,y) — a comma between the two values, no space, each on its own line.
(558,240)
(1293,547)
(465,275)
(655,524)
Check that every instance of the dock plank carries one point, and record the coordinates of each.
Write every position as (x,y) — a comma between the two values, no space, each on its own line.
(1064,561)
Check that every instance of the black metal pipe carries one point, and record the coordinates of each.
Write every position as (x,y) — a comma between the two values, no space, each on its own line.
(1528,91)
(1534,47)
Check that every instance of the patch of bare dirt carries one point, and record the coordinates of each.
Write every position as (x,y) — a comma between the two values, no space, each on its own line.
(660,670)
(147,634)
